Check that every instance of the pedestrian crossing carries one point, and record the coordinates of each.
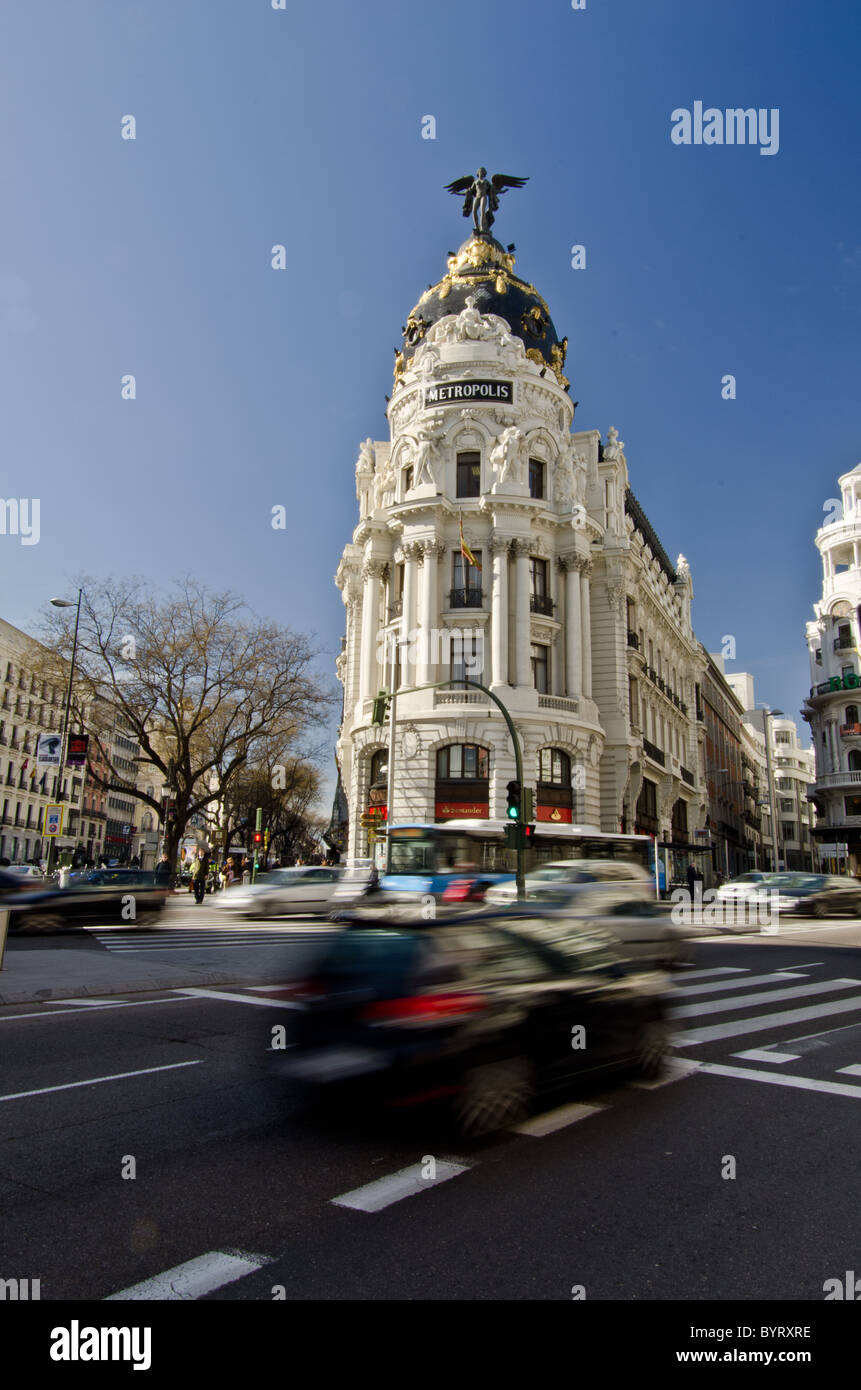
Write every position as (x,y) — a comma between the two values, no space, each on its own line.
(725,1006)
(205,938)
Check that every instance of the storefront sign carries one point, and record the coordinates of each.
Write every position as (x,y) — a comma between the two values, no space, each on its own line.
(455,392)
(460,810)
(558,815)
(76,755)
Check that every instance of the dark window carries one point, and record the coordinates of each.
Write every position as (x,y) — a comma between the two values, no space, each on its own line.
(379,768)
(541,668)
(853,805)
(467,656)
(536,478)
(466,581)
(462,760)
(408,479)
(554,766)
(851,714)
(855,761)
(469,475)
(538,573)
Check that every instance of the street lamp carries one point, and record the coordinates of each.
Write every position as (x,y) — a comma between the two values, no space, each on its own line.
(775,849)
(65,603)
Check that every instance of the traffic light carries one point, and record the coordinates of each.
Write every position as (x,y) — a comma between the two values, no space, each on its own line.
(529,835)
(381,707)
(514,791)
(258,837)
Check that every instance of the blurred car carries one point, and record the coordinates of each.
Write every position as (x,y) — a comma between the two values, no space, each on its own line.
(482,1012)
(814,895)
(743,886)
(546,881)
(281,892)
(25,872)
(629,912)
(94,901)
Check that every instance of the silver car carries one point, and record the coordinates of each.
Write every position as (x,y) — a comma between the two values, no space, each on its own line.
(281,893)
(645,931)
(548,881)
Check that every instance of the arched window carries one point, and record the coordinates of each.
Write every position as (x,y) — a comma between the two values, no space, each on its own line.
(855,761)
(555,798)
(851,714)
(380,768)
(462,760)
(462,787)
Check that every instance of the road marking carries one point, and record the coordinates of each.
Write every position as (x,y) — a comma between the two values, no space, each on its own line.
(97,1080)
(194,1278)
(854,1070)
(756,1024)
(55,1013)
(717,970)
(767,996)
(382,1193)
(762,1054)
(236,998)
(774,1078)
(675,1069)
(556,1119)
(712,988)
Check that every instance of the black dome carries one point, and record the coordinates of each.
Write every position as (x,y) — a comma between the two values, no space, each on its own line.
(483,269)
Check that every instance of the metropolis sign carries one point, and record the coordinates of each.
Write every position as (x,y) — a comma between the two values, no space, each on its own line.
(453,392)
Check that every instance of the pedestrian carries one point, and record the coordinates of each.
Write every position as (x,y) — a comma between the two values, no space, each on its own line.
(162,871)
(692,878)
(198,878)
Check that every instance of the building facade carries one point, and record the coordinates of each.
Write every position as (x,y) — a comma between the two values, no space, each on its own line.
(832,707)
(495,545)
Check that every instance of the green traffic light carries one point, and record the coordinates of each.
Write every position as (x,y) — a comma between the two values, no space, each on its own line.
(512,813)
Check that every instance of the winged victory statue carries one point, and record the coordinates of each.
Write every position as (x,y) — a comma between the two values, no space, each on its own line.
(482,195)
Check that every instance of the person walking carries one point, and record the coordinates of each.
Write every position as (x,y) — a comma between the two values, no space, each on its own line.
(162,872)
(198,878)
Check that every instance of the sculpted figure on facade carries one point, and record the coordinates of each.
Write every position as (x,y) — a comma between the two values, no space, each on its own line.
(365,465)
(614,448)
(425,462)
(508,459)
(384,484)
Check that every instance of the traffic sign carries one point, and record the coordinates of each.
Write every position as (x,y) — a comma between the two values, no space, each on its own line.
(53,820)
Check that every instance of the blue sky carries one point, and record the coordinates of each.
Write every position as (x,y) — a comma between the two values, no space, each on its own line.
(303,127)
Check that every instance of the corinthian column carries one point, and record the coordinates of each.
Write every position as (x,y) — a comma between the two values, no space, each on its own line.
(499,611)
(371,573)
(408,669)
(573,620)
(522,663)
(429,619)
(586,626)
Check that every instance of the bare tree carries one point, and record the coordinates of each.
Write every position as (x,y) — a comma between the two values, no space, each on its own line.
(202,685)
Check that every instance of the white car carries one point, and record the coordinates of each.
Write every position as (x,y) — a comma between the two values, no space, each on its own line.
(281,892)
(26,871)
(563,874)
(745,886)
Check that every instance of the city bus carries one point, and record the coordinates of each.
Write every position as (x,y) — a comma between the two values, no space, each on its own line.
(425,857)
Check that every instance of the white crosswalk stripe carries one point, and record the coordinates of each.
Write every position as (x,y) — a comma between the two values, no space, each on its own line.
(208,938)
(766,996)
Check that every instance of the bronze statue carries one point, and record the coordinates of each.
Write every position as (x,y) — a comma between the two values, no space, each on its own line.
(482,195)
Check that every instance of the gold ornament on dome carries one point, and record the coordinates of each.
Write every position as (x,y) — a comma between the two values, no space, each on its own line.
(557,354)
(479,253)
(535,356)
(501,283)
(399,366)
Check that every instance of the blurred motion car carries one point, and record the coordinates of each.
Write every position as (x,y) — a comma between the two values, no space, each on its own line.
(481,1013)
(813,895)
(547,881)
(25,872)
(103,898)
(282,892)
(737,889)
(645,930)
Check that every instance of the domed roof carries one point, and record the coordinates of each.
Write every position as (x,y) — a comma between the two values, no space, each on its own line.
(483,269)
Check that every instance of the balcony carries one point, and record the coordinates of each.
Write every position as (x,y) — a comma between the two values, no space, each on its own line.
(396,608)
(652,751)
(850,730)
(459,697)
(558,702)
(633,640)
(540,603)
(838,779)
(687,776)
(843,644)
(465,598)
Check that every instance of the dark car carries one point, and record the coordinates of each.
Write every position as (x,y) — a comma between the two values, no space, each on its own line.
(486,1011)
(101,898)
(815,895)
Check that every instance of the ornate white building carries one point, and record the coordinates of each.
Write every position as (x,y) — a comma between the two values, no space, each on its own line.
(572,614)
(833,705)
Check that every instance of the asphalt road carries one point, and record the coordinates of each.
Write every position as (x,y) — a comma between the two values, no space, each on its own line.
(625,1196)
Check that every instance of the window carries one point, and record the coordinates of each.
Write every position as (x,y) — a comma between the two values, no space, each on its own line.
(787,830)
(633,703)
(536,478)
(407,476)
(467,656)
(787,805)
(466,581)
(853,805)
(379,768)
(554,766)
(462,760)
(541,668)
(469,475)
(855,761)
(540,601)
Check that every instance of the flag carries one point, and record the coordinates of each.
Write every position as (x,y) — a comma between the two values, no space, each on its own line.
(465,550)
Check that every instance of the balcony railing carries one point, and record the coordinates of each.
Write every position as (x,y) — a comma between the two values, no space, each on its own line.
(838,779)
(843,644)
(687,776)
(465,598)
(558,702)
(633,640)
(541,603)
(850,730)
(654,752)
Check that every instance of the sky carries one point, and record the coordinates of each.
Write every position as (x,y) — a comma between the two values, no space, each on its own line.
(302,126)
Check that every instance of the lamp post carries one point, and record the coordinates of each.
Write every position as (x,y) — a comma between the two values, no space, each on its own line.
(65,603)
(775,849)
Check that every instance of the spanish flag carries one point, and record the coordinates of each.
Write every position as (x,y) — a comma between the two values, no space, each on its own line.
(465,550)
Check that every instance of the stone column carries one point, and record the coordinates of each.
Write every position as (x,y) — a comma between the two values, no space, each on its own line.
(522,664)
(499,611)
(371,575)
(573,645)
(429,615)
(408,647)
(586,627)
